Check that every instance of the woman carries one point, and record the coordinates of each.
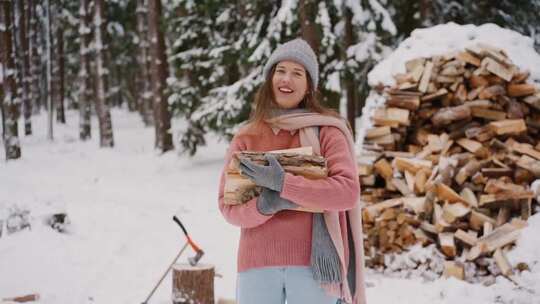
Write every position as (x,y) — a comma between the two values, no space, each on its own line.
(285,254)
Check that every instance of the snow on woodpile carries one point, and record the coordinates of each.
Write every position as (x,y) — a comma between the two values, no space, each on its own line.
(450,147)
(442,39)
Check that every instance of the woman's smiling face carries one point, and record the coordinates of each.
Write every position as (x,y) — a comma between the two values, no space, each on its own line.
(289,84)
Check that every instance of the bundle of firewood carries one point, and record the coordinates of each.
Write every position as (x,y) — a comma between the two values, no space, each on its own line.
(451,156)
(239,189)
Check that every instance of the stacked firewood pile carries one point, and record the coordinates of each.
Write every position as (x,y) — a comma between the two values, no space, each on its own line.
(452,153)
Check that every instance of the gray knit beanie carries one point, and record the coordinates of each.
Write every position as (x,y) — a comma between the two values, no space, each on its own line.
(297,50)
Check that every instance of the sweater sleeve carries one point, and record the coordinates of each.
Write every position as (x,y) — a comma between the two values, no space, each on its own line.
(340,190)
(245,215)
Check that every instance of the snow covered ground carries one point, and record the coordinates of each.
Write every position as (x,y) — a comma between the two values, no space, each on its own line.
(121,202)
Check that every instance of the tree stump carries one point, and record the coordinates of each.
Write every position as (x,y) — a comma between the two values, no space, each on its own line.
(193,284)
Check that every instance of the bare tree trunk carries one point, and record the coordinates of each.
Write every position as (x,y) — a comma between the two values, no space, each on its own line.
(308,13)
(35,68)
(25,58)
(2,73)
(426,12)
(85,94)
(144,94)
(60,94)
(17,55)
(102,106)
(162,116)
(109,81)
(11,137)
(350,86)
(48,48)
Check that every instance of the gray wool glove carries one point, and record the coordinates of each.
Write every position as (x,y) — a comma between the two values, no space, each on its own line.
(270,176)
(269,202)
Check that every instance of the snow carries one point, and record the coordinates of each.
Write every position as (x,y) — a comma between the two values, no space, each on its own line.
(438,40)
(122,237)
(387,24)
(121,202)
(449,37)
(333,83)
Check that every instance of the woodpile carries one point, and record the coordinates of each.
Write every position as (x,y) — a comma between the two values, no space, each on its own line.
(450,159)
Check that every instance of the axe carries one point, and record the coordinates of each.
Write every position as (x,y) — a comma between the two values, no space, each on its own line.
(192,260)
(198,251)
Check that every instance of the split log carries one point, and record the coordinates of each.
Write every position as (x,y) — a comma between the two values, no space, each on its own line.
(502,262)
(239,189)
(448,247)
(469,196)
(23,299)
(412,165)
(426,76)
(508,126)
(526,209)
(365,169)
(530,164)
(393,117)
(404,101)
(487,199)
(193,284)
(477,220)
(377,132)
(523,148)
(383,168)
(468,170)
(533,101)
(474,147)
(438,94)
(503,216)
(518,90)
(466,237)
(497,69)
(469,58)
(454,269)
(415,204)
(453,212)
(449,115)
(446,193)
(370,212)
(488,114)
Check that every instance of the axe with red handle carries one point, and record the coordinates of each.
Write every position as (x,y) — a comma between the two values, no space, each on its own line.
(198,251)
(192,260)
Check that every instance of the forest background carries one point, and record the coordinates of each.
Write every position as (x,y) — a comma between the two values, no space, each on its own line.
(201,60)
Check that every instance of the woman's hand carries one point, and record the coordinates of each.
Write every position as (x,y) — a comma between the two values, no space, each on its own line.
(270,202)
(270,176)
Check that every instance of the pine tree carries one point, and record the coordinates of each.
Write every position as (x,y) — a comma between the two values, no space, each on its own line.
(144,92)
(102,106)
(25,65)
(158,73)
(85,93)
(35,61)
(60,64)
(10,103)
(520,15)
(223,65)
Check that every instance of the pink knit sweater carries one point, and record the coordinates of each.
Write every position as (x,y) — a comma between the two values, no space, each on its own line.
(284,239)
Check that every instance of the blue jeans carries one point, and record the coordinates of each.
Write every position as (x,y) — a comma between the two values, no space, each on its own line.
(279,285)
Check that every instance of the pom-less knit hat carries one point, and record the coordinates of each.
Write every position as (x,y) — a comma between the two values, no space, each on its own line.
(297,50)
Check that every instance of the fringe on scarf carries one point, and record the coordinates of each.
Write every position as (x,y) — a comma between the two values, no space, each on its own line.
(325,262)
